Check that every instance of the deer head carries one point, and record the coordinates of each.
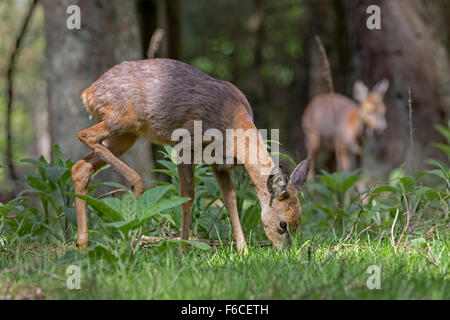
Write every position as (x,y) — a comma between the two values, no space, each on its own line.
(372,108)
(281,215)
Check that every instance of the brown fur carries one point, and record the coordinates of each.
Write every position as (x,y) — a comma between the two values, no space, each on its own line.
(334,121)
(152,98)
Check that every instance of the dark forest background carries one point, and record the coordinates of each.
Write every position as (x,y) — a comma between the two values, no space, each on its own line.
(266,48)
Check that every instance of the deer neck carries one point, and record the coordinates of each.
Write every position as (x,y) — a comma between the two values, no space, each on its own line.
(260,169)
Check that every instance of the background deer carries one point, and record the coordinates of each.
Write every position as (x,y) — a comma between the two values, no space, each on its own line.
(336,122)
(152,98)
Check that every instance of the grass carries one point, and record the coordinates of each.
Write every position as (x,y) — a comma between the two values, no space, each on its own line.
(316,269)
(400,228)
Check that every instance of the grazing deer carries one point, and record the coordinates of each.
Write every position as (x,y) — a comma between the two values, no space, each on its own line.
(337,122)
(151,99)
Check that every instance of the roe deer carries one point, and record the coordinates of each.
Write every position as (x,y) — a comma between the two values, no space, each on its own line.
(152,98)
(337,122)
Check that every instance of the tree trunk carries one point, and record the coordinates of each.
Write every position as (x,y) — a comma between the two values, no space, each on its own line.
(411,50)
(75,58)
(169,21)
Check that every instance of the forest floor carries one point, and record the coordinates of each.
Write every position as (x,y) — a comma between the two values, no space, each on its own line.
(311,270)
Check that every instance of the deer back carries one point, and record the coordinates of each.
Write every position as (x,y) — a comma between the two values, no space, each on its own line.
(156,96)
(332,115)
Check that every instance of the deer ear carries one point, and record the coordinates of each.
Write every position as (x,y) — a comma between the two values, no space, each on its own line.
(300,173)
(381,87)
(276,183)
(360,91)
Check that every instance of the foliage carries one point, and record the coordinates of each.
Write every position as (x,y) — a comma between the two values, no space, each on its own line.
(405,220)
(445,132)
(310,270)
(49,183)
(210,218)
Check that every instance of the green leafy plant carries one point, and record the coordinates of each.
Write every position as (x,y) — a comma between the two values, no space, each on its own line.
(210,218)
(445,132)
(49,182)
(330,198)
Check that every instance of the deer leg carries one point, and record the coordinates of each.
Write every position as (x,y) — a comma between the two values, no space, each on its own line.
(187,189)
(82,172)
(226,186)
(344,159)
(93,136)
(313,145)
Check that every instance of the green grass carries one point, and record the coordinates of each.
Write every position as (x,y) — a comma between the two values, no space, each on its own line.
(343,233)
(312,270)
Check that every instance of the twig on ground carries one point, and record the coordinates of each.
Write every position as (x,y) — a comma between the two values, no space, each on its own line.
(407,220)
(324,262)
(419,250)
(215,219)
(147,240)
(392,232)
(365,229)
(432,253)
(354,226)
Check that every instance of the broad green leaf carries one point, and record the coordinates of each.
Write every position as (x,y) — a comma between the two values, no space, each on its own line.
(5,209)
(220,230)
(385,188)
(444,147)
(348,183)
(432,193)
(329,181)
(162,205)
(444,131)
(113,202)
(128,206)
(210,184)
(167,164)
(407,184)
(54,173)
(445,171)
(169,173)
(100,206)
(437,173)
(37,183)
(170,153)
(152,196)
(35,162)
(125,226)
(57,158)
